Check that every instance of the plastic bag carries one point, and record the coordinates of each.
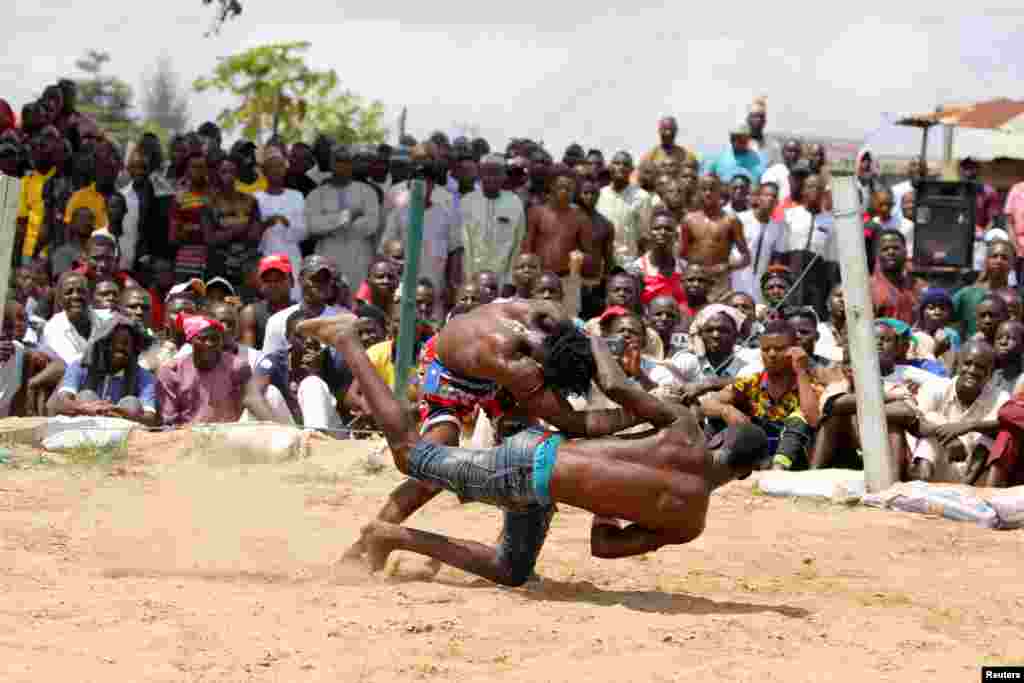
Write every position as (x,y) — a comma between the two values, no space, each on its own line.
(839,486)
(68,433)
(239,443)
(951,501)
(1009,506)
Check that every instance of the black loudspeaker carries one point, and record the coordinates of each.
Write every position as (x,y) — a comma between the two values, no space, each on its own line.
(944,220)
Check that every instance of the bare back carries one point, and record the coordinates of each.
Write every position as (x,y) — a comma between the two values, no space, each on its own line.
(709,239)
(493,342)
(552,234)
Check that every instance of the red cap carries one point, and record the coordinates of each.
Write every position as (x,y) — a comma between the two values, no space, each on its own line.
(276,262)
(612,312)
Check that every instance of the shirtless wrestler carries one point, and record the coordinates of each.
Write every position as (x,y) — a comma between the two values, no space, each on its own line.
(660,484)
(709,234)
(486,359)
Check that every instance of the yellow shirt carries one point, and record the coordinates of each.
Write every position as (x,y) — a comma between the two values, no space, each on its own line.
(258,185)
(30,206)
(380,359)
(88,198)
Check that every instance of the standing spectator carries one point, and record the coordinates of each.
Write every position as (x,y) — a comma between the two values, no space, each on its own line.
(709,236)
(189,214)
(739,194)
(917,170)
(323,154)
(765,236)
(867,181)
(810,244)
(283,213)
(207,385)
(668,128)
(344,216)
(988,207)
(300,162)
(493,223)
(68,255)
(779,173)
(250,180)
(626,207)
(233,230)
(660,270)
(757,119)
(999,259)
(738,156)
(31,209)
(441,253)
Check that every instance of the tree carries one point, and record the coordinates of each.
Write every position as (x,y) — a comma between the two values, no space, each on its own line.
(107,99)
(163,101)
(281,95)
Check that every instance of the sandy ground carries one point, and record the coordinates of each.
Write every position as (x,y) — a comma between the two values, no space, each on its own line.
(161,568)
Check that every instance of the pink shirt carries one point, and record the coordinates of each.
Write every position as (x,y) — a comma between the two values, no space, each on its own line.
(189,395)
(1015,208)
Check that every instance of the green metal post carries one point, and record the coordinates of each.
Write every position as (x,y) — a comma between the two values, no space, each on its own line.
(407,326)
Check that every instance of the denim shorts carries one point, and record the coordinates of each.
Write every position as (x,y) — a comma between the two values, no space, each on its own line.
(514,475)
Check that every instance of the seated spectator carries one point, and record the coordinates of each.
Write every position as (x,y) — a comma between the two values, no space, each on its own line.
(956,419)
(775,285)
(317,288)
(752,327)
(108,380)
(218,290)
(301,384)
(489,285)
(468,296)
(22,392)
(989,314)
(106,295)
(391,250)
(226,313)
(1000,258)
(1012,297)
(711,363)
(1009,350)
(526,268)
(372,324)
(903,342)
(275,276)
(622,291)
(934,336)
(206,386)
(182,299)
(72,253)
(135,305)
(783,399)
(551,287)
(893,290)
(67,333)
(660,270)
(665,318)
(425,299)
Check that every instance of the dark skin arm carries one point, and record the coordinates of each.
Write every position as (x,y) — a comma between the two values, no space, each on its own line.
(453,273)
(723,405)
(946,434)
(255,398)
(247,328)
(530,241)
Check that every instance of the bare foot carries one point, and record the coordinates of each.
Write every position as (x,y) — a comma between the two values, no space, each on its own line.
(329,330)
(379,539)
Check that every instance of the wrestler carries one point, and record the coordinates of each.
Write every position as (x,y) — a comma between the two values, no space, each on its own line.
(661,484)
(484,359)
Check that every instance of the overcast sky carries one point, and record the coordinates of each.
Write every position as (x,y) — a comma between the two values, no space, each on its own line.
(565,71)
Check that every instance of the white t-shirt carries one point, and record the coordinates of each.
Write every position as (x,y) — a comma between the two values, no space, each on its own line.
(821,242)
(762,239)
(274,338)
(61,337)
(778,174)
(284,239)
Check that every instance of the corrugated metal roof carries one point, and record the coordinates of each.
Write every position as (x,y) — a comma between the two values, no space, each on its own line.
(990,115)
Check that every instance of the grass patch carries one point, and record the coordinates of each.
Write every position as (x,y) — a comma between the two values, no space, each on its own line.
(93,455)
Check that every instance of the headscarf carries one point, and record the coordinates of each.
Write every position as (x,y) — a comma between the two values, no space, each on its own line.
(192,325)
(96,357)
(898,326)
(704,316)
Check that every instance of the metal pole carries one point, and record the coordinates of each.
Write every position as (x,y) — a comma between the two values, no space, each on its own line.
(407,323)
(879,471)
(10,189)
(924,144)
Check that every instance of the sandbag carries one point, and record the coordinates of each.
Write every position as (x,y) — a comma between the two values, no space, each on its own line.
(249,443)
(1009,506)
(67,433)
(839,486)
(952,501)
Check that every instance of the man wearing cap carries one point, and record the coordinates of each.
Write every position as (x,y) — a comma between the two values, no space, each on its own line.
(206,386)
(275,273)
(316,282)
(627,207)
(493,223)
(738,156)
(345,216)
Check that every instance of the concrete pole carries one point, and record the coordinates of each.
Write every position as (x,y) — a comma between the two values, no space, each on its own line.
(10,189)
(879,470)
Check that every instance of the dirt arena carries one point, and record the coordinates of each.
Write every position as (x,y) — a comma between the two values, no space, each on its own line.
(159,567)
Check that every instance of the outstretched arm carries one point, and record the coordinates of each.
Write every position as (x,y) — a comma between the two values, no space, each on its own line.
(609,540)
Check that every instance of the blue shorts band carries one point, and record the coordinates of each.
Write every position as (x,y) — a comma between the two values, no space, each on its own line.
(544,456)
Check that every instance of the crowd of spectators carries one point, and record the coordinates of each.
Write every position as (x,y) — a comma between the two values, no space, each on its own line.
(165,285)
